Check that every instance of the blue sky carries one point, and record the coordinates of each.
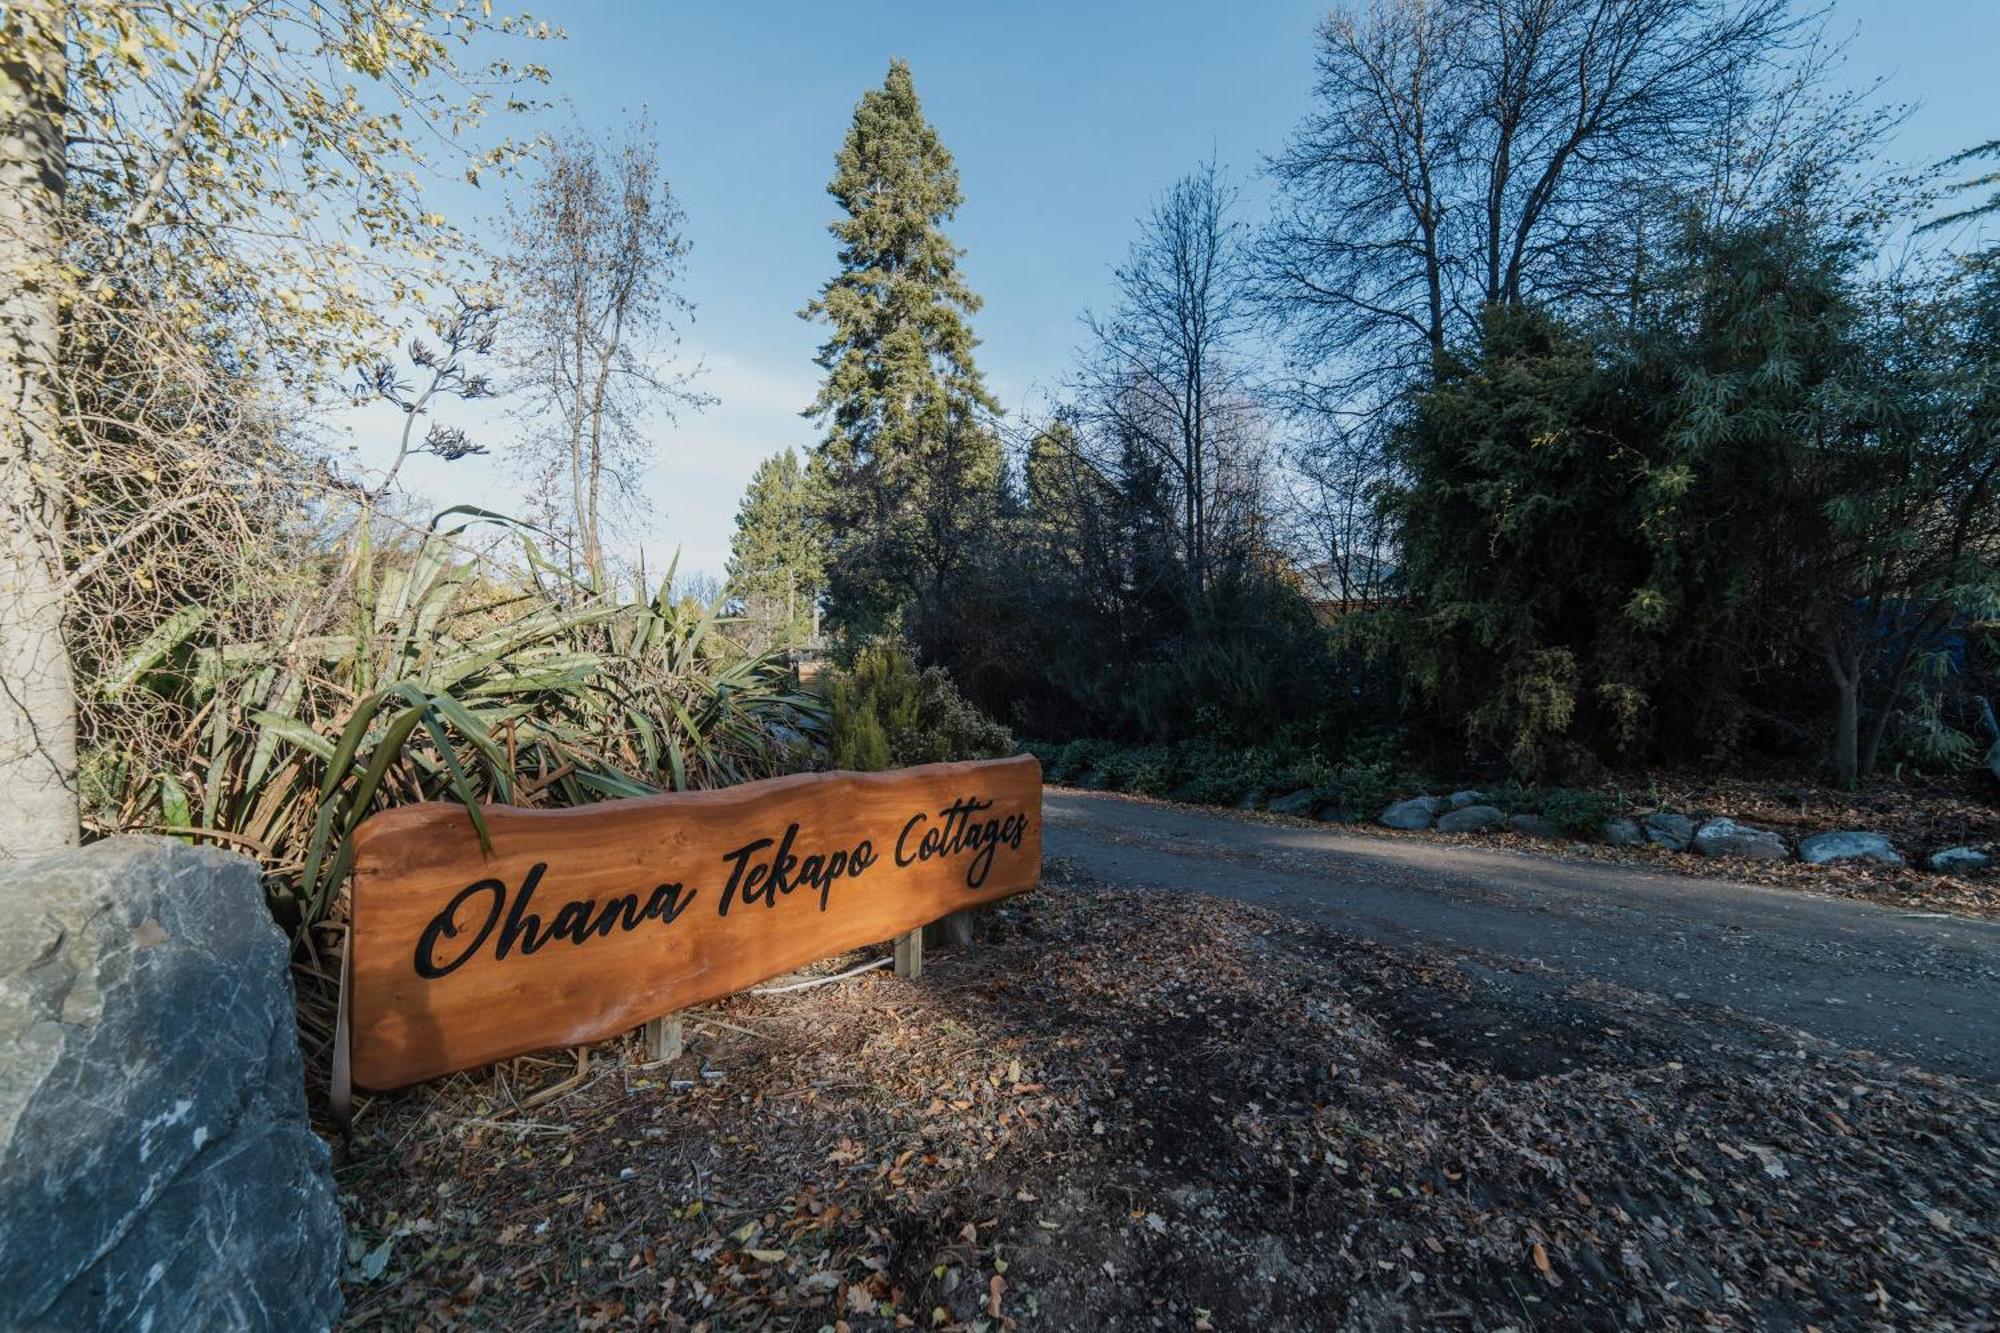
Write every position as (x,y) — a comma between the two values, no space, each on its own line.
(1066,119)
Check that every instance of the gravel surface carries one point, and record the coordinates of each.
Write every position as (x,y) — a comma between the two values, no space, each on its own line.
(1917,986)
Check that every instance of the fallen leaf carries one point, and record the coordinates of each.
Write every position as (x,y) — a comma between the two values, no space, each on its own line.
(377,1260)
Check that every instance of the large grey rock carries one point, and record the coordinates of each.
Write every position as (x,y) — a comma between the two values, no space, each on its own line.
(1622,833)
(1471,819)
(1461,799)
(1417,812)
(157,1170)
(1669,830)
(1958,860)
(1821,848)
(1727,838)
(1534,826)
(1293,803)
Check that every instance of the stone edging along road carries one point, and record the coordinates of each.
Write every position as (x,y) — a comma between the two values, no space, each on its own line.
(1912,987)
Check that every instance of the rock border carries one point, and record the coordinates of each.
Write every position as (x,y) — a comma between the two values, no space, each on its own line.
(1717,837)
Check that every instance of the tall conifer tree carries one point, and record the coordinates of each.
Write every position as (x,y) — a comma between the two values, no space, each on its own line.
(910,466)
(775,562)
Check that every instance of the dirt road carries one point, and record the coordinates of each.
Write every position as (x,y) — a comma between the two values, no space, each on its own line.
(1912,987)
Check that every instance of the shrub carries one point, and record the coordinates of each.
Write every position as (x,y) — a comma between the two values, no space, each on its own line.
(1210,774)
(456,678)
(1149,770)
(886,713)
(1367,788)
(1207,785)
(1581,814)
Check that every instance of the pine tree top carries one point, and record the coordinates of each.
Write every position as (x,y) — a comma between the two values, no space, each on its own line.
(898,306)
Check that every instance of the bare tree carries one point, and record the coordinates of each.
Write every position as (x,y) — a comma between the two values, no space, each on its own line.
(1462,150)
(1466,154)
(1356,259)
(1165,372)
(1333,514)
(597,258)
(168,256)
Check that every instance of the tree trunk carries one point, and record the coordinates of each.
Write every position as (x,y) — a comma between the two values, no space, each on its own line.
(38,803)
(1844,665)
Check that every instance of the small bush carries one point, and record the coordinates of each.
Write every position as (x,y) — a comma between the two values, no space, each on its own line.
(1126,768)
(1581,814)
(1205,773)
(886,713)
(1365,789)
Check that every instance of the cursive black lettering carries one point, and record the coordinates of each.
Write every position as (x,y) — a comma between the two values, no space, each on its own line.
(578,921)
(445,924)
(523,925)
(904,837)
(957,833)
(740,858)
(573,921)
(667,903)
(754,878)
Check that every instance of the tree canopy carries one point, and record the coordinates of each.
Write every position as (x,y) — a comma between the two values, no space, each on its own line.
(777,566)
(910,468)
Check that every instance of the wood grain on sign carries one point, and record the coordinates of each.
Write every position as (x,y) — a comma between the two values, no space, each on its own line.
(580,923)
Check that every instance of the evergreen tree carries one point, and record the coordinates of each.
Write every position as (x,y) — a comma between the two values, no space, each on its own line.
(910,468)
(776,565)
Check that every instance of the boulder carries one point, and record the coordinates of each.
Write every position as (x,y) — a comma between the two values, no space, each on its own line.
(1622,833)
(1727,838)
(1821,848)
(1471,819)
(1534,826)
(1417,812)
(1293,803)
(1958,860)
(1461,799)
(157,1169)
(1666,829)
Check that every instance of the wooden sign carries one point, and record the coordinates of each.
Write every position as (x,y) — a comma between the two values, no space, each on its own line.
(583,922)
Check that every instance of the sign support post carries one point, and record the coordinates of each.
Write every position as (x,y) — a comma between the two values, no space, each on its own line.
(910,954)
(663,1038)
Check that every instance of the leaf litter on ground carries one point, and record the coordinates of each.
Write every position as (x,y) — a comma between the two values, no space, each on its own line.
(1123,1109)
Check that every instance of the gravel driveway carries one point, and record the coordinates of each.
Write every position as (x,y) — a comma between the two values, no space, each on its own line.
(1915,987)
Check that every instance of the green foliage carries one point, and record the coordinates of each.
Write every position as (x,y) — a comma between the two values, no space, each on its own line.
(1208,773)
(448,685)
(1204,773)
(1771,488)
(856,739)
(1985,180)
(1543,609)
(1581,814)
(886,713)
(233,143)
(910,470)
(777,565)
